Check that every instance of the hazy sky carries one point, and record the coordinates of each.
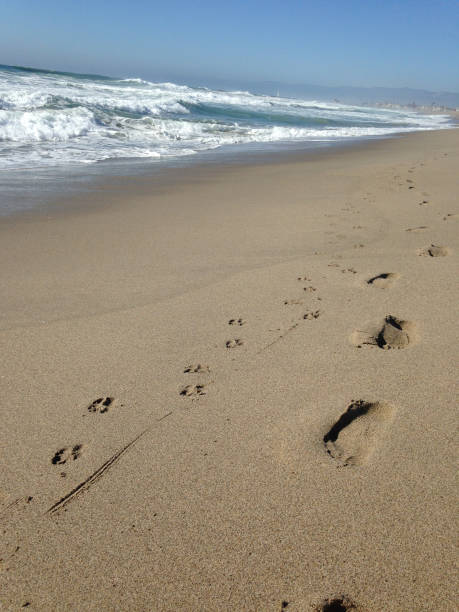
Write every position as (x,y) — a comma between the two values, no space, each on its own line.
(392,43)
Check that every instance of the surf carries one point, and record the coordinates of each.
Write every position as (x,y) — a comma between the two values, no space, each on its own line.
(50,118)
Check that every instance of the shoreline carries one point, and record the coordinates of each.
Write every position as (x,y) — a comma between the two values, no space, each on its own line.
(175,169)
(231,388)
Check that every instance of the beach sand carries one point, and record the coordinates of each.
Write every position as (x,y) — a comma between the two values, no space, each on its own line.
(232,388)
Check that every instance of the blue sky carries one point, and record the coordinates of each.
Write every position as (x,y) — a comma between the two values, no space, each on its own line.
(389,43)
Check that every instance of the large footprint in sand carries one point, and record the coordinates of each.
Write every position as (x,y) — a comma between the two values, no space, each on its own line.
(434,251)
(391,333)
(356,434)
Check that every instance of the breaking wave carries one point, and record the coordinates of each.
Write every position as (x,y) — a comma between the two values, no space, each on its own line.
(50,118)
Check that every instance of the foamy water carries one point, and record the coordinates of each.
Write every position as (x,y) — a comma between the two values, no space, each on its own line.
(54,119)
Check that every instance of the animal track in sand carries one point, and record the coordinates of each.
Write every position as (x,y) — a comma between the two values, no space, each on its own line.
(347,270)
(292,302)
(384,280)
(355,435)
(392,333)
(424,203)
(87,483)
(191,390)
(304,279)
(450,216)
(233,343)
(337,604)
(101,405)
(434,251)
(416,230)
(67,454)
(198,368)
(348,207)
(309,289)
(311,314)
(236,322)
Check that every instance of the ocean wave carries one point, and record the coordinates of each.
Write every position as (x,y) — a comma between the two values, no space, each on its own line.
(51,118)
(43,125)
(135,80)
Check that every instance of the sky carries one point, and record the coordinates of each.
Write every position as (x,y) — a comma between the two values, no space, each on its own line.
(387,43)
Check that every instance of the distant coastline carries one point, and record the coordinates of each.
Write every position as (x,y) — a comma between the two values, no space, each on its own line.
(429,109)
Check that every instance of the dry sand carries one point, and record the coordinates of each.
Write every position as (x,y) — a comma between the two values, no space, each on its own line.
(233,388)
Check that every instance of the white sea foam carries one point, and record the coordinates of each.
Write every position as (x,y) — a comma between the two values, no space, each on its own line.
(45,125)
(55,119)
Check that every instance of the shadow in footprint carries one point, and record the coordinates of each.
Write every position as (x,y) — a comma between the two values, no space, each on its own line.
(384,280)
(355,435)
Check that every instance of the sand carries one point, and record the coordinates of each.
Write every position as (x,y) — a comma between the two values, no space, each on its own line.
(232,388)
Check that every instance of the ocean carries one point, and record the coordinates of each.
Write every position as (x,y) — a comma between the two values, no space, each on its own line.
(55,119)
